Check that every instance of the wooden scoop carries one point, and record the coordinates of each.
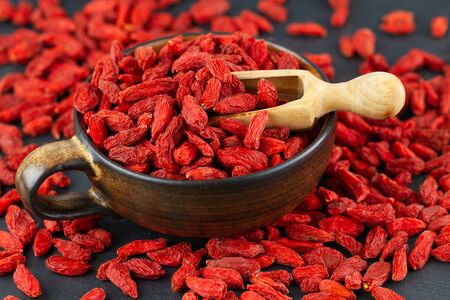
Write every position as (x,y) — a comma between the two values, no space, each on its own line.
(377,95)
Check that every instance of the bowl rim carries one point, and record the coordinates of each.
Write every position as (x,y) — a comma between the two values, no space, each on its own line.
(326,131)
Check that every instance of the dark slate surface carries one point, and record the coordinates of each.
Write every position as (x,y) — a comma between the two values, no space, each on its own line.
(431,283)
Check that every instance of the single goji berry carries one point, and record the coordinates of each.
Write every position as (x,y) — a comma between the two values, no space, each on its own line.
(66,266)
(307,29)
(376,275)
(439,26)
(399,22)
(94,294)
(144,268)
(120,276)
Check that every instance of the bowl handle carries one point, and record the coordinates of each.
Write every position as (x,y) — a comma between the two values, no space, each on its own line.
(47,160)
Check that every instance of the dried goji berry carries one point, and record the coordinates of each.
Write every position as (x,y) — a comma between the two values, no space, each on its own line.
(71,250)
(421,252)
(245,266)
(120,276)
(281,276)
(231,277)
(11,197)
(399,239)
(349,243)
(336,288)
(20,224)
(353,281)
(144,268)
(94,294)
(259,278)
(222,247)
(283,255)
(346,46)
(307,29)
(376,275)
(399,22)
(341,224)
(442,252)
(364,42)
(304,272)
(208,288)
(303,232)
(326,256)
(9,242)
(170,256)
(42,242)
(26,282)
(66,266)
(141,247)
(375,242)
(273,10)
(439,26)
(267,291)
(400,263)
(347,267)
(9,263)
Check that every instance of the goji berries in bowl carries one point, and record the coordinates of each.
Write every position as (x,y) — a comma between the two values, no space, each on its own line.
(141,127)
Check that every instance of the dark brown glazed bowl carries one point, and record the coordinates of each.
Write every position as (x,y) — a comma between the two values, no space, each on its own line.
(184,208)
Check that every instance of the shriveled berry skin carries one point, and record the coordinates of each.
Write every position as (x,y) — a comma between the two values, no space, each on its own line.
(376,275)
(42,242)
(120,276)
(26,282)
(65,266)
(214,288)
(421,252)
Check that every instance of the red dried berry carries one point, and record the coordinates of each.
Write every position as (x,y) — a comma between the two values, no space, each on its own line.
(71,250)
(20,224)
(442,252)
(421,252)
(307,29)
(273,10)
(375,242)
(400,263)
(399,22)
(170,256)
(439,26)
(141,247)
(381,293)
(94,294)
(231,277)
(326,256)
(336,288)
(376,275)
(364,42)
(347,267)
(283,255)
(66,266)
(42,242)
(245,266)
(26,282)
(144,268)
(120,276)
(208,288)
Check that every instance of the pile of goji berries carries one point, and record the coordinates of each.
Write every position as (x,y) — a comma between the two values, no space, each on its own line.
(167,96)
(364,203)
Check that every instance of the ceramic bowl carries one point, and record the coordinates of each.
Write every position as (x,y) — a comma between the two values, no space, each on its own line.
(184,208)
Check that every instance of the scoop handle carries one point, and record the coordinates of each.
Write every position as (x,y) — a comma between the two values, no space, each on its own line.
(376,95)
